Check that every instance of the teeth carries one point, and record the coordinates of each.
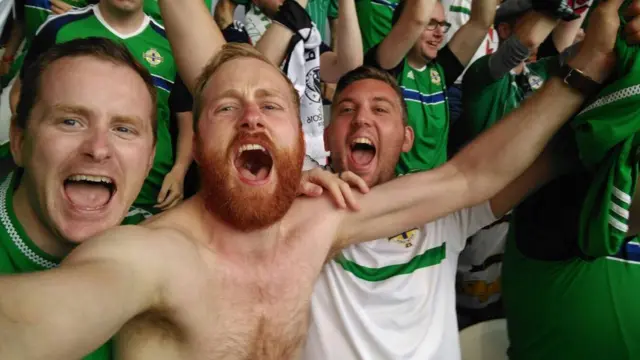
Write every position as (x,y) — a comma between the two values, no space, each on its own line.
(246,147)
(90,178)
(362,140)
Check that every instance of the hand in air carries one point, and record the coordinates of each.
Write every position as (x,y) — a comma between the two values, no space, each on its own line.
(60,7)
(172,191)
(314,182)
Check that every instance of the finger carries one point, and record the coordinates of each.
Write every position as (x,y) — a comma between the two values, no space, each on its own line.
(171,197)
(174,203)
(164,191)
(310,189)
(56,10)
(61,5)
(336,194)
(355,180)
(349,197)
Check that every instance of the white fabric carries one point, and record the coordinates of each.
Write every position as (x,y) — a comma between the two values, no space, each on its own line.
(302,67)
(406,316)
(256,23)
(457,19)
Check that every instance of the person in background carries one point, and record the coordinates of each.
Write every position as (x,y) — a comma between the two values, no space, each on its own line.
(411,53)
(126,22)
(293,43)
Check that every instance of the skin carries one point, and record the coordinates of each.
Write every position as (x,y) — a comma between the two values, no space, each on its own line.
(430,40)
(91,117)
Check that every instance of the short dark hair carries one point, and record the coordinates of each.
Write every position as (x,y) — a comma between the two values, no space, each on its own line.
(100,48)
(369,72)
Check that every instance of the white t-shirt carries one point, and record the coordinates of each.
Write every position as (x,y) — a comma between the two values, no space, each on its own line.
(393,298)
(458,13)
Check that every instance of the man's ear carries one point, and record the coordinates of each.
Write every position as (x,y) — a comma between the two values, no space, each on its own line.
(16,141)
(408,139)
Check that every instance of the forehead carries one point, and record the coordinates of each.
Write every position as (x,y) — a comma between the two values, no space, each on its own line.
(246,75)
(368,90)
(438,12)
(100,85)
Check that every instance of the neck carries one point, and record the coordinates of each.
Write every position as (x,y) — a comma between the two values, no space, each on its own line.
(40,234)
(256,245)
(123,22)
(416,60)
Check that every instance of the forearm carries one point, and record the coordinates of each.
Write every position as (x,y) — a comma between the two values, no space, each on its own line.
(274,42)
(565,33)
(504,151)
(194,37)
(223,13)
(64,313)
(349,48)
(529,34)
(184,152)
(469,37)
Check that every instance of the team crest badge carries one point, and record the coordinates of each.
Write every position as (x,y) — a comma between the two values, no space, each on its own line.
(535,82)
(405,239)
(435,77)
(153,57)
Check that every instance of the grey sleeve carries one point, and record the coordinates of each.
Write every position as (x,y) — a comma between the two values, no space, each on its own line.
(509,55)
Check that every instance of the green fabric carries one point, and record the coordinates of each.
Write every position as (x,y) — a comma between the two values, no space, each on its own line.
(486,100)
(374,17)
(607,134)
(37,11)
(152,9)
(424,92)
(151,48)
(571,309)
(319,11)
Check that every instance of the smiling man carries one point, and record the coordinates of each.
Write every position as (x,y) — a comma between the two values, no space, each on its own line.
(83,142)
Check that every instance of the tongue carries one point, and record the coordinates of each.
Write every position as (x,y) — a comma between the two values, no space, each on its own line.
(86,195)
(362,157)
(252,170)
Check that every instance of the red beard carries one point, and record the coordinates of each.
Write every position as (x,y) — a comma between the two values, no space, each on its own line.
(237,204)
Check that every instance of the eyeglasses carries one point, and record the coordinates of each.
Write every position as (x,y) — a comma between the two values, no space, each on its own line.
(433,24)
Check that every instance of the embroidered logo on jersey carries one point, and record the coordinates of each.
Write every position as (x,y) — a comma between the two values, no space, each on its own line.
(535,82)
(153,57)
(410,75)
(312,90)
(435,77)
(405,238)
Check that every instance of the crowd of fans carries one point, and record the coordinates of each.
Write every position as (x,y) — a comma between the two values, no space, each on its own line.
(319,179)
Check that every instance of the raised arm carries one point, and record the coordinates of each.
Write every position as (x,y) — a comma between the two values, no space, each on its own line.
(194,37)
(275,41)
(223,13)
(494,159)
(69,312)
(565,33)
(403,35)
(468,38)
(348,53)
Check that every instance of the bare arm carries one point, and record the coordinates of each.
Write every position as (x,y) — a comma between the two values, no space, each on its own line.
(565,33)
(274,42)
(184,152)
(68,312)
(223,13)
(404,34)
(348,53)
(468,38)
(194,37)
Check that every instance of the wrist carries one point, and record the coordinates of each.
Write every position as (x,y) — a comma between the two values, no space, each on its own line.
(597,66)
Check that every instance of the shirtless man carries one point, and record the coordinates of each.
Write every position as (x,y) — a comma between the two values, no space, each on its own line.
(228,274)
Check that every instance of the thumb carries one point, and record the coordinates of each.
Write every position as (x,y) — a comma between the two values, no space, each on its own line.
(164,191)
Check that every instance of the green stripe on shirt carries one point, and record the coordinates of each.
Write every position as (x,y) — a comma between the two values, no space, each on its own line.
(431,257)
(460,9)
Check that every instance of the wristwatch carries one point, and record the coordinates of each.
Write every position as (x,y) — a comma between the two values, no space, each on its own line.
(578,80)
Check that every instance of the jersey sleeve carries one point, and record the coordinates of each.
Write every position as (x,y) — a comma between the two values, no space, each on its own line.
(371,59)
(471,220)
(332,12)
(180,99)
(451,66)
(236,33)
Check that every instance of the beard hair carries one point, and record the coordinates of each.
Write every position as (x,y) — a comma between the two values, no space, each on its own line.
(240,206)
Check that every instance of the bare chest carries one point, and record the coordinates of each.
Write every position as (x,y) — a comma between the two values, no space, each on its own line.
(234,311)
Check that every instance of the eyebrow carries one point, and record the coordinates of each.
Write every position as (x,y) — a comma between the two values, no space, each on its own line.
(259,93)
(375,99)
(73,109)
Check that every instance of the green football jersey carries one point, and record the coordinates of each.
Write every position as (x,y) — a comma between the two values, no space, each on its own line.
(37,11)
(424,92)
(152,9)
(487,100)
(19,254)
(151,48)
(374,17)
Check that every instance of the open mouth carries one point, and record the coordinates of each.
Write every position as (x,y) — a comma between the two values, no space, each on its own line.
(89,192)
(362,151)
(253,162)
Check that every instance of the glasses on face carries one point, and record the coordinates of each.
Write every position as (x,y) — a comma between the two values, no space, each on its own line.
(434,24)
